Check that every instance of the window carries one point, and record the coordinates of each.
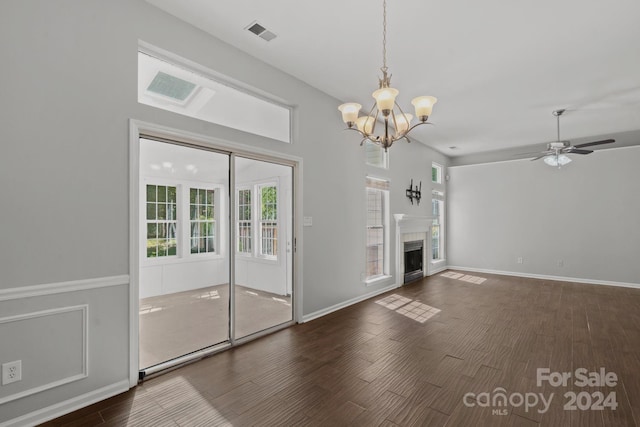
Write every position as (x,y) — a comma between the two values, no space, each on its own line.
(375,155)
(161,221)
(189,89)
(262,227)
(376,239)
(202,218)
(268,220)
(436,173)
(437,228)
(244,221)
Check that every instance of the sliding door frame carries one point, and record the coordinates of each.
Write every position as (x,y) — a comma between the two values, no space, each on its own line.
(138,129)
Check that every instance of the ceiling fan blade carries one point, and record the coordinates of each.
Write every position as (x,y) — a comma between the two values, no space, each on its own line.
(578,151)
(531,153)
(589,144)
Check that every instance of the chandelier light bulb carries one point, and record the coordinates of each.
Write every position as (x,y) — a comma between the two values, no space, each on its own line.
(365,124)
(402,123)
(424,106)
(385,99)
(350,112)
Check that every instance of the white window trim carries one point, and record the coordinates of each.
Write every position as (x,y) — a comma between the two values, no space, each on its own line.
(237,224)
(259,220)
(183,221)
(386,234)
(219,78)
(440,173)
(441,196)
(385,156)
(218,189)
(256,220)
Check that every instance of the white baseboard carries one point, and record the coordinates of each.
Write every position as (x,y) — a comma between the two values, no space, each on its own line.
(438,270)
(68,406)
(347,303)
(546,277)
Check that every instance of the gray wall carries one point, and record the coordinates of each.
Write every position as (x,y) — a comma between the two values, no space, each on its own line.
(586,214)
(68,89)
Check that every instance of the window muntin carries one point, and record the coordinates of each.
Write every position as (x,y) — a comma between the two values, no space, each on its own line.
(376,227)
(268,220)
(245,230)
(202,220)
(176,88)
(161,221)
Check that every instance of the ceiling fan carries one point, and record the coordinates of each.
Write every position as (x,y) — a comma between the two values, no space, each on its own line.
(556,152)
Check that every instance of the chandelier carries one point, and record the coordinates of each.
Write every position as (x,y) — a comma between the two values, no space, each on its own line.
(385,107)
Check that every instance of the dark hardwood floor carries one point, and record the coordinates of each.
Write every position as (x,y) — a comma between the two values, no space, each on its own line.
(369,365)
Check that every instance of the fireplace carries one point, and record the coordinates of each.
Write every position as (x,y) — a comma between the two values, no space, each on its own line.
(415,231)
(413,260)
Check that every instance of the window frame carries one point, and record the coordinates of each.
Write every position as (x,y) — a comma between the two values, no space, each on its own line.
(380,186)
(175,221)
(368,146)
(439,171)
(249,222)
(261,221)
(216,212)
(185,69)
(438,197)
(256,222)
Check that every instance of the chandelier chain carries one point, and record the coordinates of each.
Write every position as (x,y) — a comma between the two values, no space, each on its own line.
(384,35)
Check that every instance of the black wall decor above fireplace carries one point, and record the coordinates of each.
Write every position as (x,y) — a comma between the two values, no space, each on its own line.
(413,256)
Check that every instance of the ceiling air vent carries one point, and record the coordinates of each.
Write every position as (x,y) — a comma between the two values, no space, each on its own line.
(261,31)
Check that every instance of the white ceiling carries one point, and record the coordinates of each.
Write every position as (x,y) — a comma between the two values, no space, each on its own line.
(498,67)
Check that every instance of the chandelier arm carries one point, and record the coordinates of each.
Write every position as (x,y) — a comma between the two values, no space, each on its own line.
(401,112)
(371,138)
(375,120)
(416,125)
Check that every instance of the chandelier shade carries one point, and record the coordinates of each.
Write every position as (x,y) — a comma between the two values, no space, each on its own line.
(386,109)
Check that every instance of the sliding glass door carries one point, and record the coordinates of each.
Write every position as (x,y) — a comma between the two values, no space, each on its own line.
(263,242)
(215,258)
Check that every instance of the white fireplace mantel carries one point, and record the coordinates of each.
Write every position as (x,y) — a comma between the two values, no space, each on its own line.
(411,224)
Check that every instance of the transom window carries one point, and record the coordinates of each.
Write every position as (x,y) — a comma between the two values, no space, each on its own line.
(376,155)
(436,173)
(189,89)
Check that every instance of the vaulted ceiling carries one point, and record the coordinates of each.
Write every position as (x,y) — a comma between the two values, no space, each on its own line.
(498,67)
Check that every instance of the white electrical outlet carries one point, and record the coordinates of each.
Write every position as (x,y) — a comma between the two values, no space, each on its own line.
(560,263)
(11,372)
(520,260)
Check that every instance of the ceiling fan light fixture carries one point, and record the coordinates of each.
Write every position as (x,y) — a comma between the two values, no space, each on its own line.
(557,160)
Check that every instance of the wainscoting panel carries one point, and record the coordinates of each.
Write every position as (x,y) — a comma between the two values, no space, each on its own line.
(60,334)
